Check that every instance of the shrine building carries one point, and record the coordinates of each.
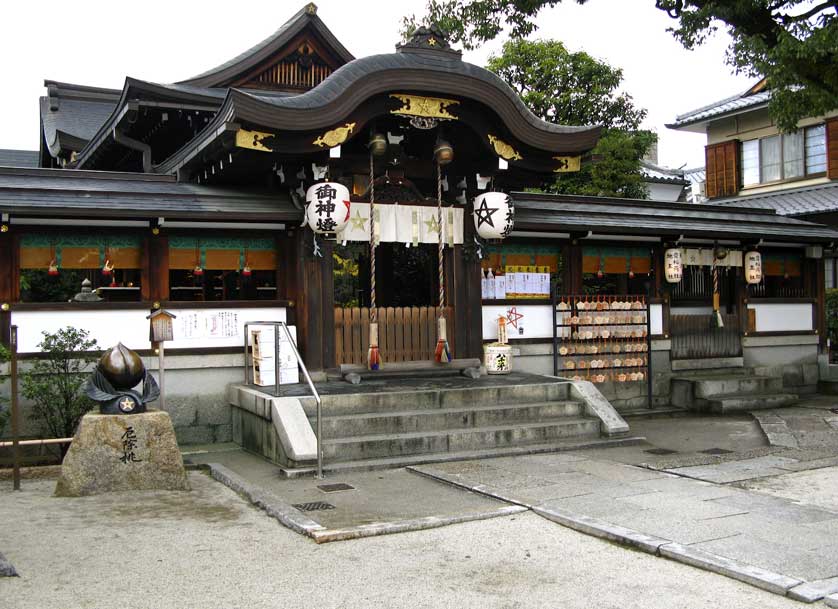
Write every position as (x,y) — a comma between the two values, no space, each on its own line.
(192,197)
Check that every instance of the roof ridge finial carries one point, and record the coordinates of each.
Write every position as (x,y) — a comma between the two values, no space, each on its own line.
(428,38)
(311,8)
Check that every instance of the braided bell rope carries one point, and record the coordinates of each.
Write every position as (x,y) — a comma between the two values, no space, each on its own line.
(373,311)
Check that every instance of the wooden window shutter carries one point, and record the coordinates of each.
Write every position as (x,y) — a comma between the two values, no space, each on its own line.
(722,165)
(832,149)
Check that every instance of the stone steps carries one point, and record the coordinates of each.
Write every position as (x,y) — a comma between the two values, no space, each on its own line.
(485,453)
(352,448)
(729,391)
(429,419)
(398,401)
(724,404)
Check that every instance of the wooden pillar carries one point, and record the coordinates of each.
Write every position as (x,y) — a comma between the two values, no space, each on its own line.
(462,294)
(309,282)
(155,276)
(9,281)
(814,268)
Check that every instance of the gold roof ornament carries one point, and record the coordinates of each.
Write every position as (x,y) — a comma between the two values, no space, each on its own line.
(428,107)
(568,164)
(254,140)
(335,137)
(504,150)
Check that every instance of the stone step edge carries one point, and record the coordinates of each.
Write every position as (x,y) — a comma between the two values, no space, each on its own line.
(324,396)
(751,396)
(657,546)
(408,435)
(444,411)
(483,453)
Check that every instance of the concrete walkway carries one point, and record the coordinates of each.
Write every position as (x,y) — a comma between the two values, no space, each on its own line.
(769,541)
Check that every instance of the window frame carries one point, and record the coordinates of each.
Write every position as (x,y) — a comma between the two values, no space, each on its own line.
(781,137)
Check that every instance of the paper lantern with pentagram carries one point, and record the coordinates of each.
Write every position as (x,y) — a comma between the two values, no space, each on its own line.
(327,207)
(494,215)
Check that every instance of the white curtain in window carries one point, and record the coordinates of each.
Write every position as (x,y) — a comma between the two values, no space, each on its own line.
(816,149)
(770,158)
(750,162)
(793,155)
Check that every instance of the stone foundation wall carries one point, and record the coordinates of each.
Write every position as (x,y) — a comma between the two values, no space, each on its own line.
(195,397)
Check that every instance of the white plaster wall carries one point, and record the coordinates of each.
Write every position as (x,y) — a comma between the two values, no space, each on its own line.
(130,327)
(783,317)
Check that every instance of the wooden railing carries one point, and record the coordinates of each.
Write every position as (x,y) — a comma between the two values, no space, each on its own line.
(694,337)
(404,333)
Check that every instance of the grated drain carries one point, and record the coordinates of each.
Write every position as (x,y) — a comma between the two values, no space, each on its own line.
(334,488)
(660,451)
(314,506)
(716,451)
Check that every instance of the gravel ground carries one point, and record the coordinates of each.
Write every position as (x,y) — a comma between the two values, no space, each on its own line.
(208,548)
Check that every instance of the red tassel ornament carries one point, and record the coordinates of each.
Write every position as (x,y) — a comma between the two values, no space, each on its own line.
(373,355)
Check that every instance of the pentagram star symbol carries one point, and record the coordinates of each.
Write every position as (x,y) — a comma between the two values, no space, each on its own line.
(432,42)
(358,221)
(512,317)
(432,225)
(126,405)
(484,214)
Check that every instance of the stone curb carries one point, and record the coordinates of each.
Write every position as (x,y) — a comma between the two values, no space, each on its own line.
(288,516)
(809,592)
(831,600)
(404,526)
(298,522)
(604,530)
(761,578)
(7,569)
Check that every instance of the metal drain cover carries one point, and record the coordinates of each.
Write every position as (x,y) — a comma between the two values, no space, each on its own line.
(660,451)
(716,451)
(314,506)
(334,488)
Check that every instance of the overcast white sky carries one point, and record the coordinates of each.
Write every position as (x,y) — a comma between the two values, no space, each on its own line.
(98,42)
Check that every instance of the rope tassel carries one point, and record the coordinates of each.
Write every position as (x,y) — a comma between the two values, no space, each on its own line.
(373,355)
(442,355)
(718,322)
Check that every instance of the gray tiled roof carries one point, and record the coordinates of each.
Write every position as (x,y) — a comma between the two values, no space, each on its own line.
(731,105)
(19,158)
(818,199)
(76,193)
(246,60)
(602,215)
(663,175)
(77,118)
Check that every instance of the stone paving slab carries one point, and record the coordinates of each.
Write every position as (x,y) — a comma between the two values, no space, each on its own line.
(769,541)
(831,601)
(813,591)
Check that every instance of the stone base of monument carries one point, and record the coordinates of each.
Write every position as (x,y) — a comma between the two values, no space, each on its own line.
(114,452)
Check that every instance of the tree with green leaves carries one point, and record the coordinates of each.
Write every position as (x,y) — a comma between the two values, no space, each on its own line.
(577,89)
(792,43)
(54,381)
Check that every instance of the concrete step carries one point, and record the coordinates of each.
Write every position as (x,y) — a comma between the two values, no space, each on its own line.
(394,401)
(455,440)
(695,391)
(724,404)
(467,455)
(444,418)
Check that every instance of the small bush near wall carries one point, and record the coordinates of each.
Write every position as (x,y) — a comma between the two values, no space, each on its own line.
(54,382)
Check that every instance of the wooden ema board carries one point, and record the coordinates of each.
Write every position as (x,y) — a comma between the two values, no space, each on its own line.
(404,333)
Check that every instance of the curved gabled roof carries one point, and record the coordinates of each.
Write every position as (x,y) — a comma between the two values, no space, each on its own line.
(71,114)
(344,90)
(225,73)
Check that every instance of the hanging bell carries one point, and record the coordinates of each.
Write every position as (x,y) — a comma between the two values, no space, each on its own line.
(443,152)
(378,144)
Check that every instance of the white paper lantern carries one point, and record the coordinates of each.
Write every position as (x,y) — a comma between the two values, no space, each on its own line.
(753,267)
(327,207)
(494,215)
(673,265)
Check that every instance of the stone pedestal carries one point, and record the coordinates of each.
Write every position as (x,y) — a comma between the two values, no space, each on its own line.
(113,452)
